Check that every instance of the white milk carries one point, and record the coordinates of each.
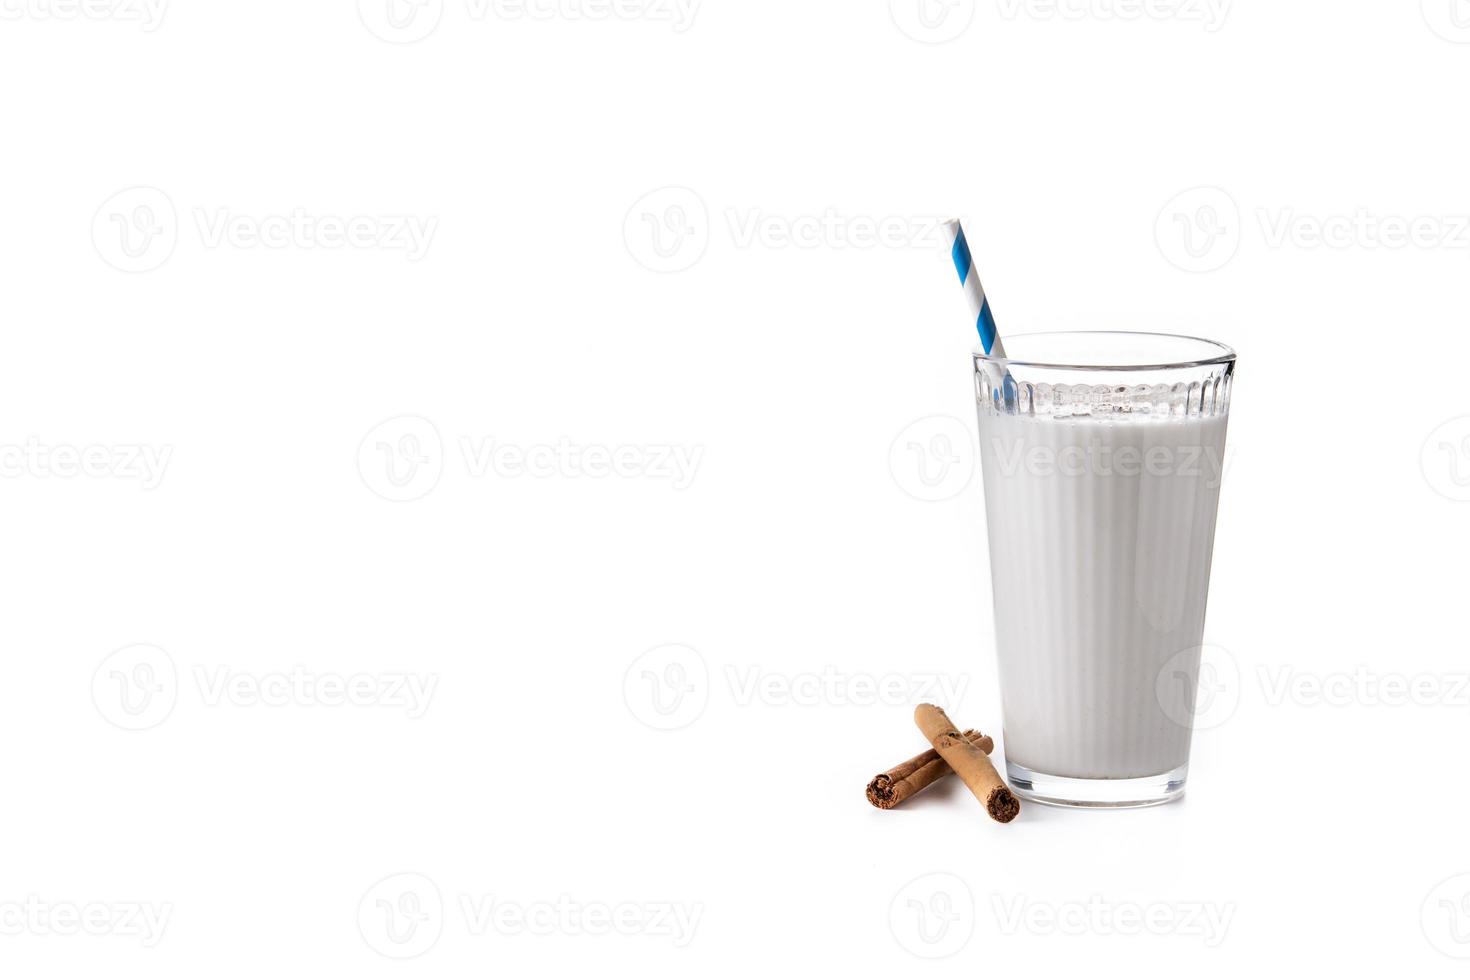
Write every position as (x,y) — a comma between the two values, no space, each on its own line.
(1100,540)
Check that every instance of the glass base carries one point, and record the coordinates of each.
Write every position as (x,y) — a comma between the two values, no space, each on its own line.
(1114,793)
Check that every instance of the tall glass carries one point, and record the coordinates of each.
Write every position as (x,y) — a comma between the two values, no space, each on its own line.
(1102,455)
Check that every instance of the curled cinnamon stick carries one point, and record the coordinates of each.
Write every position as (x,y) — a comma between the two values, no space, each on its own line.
(889,789)
(969,763)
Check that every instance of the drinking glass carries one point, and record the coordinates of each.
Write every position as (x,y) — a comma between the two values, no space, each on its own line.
(1102,455)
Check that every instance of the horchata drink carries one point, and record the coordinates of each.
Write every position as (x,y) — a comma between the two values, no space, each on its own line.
(1103,455)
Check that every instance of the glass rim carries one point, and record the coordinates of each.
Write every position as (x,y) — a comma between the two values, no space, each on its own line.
(1225,355)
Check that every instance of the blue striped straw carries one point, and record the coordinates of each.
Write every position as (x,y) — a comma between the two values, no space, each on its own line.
(974,292)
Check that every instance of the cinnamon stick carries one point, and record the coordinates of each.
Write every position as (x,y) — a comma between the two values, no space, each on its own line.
(969,763)
(889,789)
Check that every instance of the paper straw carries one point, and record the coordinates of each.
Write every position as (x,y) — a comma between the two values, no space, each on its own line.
(974,292)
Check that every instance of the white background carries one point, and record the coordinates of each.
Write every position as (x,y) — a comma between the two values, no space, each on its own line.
(559,295)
